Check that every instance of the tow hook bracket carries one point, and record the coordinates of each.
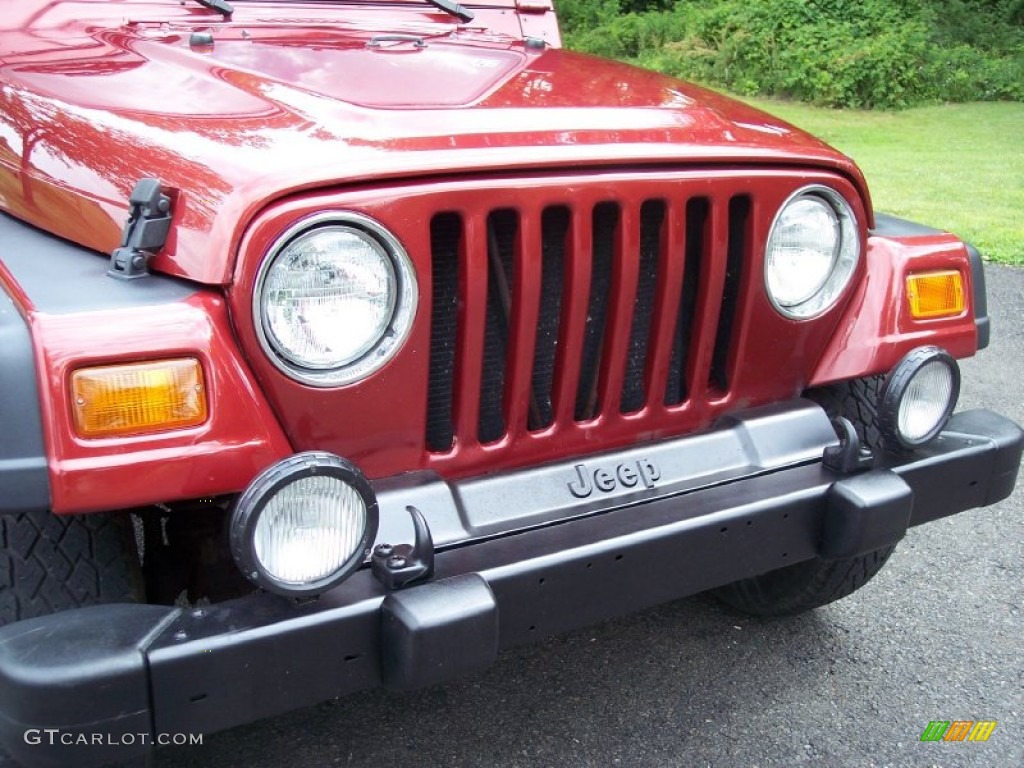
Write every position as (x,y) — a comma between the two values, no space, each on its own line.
(145,232)
(400,565)
(850,455)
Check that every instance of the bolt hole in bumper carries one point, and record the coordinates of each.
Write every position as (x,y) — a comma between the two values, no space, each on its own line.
(518,556)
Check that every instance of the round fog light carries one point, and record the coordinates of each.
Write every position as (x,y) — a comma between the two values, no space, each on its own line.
(918,397)
(304,524)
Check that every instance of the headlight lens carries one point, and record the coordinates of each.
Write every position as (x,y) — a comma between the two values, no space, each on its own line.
(334,299)
(328,297)
(309,529)
(304,525)
(812,251)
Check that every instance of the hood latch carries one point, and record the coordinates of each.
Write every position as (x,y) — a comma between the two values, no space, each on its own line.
(145,232)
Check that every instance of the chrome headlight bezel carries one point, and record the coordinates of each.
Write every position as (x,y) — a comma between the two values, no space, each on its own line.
(372,355)
(844,260)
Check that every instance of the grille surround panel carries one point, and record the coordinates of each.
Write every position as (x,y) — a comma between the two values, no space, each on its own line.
(381,424)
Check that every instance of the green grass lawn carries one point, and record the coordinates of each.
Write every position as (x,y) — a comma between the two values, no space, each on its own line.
(958,167)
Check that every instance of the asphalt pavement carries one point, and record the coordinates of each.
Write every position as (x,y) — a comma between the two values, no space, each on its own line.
(937,635)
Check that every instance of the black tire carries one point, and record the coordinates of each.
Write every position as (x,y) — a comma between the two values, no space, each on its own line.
(811,584)
(50,563)
(854,400)
(804,586)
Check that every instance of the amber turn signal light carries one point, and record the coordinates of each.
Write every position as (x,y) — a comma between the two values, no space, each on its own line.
(138,398)
(935,294)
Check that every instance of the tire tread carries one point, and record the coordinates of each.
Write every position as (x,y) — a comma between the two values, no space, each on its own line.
(51,562)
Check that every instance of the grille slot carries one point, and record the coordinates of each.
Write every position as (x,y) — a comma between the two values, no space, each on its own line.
(652,218)
(445,247)
(502,231)
(604,226)
(739,214)
(557,314)
(696,236)
(554,243)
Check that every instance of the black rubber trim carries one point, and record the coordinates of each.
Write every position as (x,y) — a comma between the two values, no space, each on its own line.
(60,277)
(980,297)
(893,226)
(24,477)
(213,668)
(887,225)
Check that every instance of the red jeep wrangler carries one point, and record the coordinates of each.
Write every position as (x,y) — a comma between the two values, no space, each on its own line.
(348,343)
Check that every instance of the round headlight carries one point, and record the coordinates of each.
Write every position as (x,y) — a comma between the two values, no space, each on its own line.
(918,397)
(304,525)
(335,299)
(812,252)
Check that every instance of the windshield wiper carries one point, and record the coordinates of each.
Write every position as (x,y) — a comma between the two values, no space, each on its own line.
(450,6)
(218,5)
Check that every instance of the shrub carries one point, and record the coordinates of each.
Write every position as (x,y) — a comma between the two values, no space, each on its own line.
(873,53)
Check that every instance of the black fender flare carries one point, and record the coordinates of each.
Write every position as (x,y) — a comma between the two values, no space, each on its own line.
(24,475)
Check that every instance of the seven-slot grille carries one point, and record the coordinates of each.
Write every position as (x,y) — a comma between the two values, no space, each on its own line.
(561,313)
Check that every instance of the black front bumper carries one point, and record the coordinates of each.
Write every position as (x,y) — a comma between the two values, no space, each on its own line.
(134,674)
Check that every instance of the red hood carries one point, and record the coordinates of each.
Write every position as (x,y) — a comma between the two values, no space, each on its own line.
(274,107)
